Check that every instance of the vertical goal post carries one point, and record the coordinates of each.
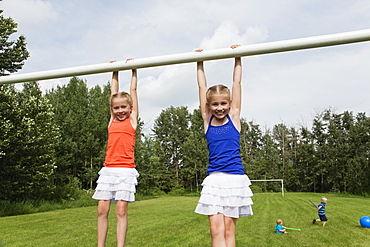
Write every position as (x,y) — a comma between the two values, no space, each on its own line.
(244,50)
(272,180)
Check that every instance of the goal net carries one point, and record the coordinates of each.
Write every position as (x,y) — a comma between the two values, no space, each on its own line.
(272,180)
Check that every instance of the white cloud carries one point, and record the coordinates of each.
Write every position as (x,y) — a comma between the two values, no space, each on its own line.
(228,34)
(287,87)
(29,14)
(333,79)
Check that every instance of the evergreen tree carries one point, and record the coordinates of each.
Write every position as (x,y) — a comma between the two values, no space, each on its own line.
(250,148)
(95,137)
(71,105)
(171,129)
(359,173)
(150,181)
(320,168)
(28,162)
(305,162)
(12,53)
(195,154)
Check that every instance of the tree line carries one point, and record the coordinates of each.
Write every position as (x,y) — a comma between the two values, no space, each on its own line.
(53,144)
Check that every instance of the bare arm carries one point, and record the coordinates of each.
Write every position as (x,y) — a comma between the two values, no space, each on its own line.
(237,88)
(113,89)
(236,98)
(202,84)
(133,93)
(114,84)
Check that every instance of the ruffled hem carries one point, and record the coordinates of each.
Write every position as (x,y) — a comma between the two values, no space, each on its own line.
(225,193)
(235,201)
(232,212)
(116,184)
(114,196)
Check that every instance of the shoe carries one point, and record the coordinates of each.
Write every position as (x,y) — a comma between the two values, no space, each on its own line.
(314,221)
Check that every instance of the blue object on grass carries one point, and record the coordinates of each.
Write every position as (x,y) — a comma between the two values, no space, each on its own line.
(365,221)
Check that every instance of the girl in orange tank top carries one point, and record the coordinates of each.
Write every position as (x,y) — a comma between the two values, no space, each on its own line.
(118,178)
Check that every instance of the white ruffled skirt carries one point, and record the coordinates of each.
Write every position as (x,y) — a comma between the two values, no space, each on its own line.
(116,183)
(225,193)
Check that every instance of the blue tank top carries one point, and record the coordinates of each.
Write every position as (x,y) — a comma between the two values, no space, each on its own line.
(224,148)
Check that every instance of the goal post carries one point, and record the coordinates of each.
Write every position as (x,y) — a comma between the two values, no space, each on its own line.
(272,180)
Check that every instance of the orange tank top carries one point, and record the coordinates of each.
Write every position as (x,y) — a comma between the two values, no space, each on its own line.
(121,144)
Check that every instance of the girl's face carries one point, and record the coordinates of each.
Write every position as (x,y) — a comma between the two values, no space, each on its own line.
(121,109)
(219,106)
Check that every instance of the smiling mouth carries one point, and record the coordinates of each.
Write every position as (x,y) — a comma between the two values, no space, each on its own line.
(220,114)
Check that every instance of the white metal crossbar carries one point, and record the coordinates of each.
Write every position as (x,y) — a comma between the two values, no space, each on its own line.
(247,50)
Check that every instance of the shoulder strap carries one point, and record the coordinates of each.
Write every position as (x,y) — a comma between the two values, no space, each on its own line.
(210,120)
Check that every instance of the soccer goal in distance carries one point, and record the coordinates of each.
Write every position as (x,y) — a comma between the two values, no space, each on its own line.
(272,180)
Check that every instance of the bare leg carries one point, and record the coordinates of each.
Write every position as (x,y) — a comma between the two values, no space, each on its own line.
(103,211)
(230,226)
(122,222)
(217,228)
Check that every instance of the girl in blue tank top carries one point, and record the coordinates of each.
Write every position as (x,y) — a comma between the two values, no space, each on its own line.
(226,195)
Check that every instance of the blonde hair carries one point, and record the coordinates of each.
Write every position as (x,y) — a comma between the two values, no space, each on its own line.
(279,221)
(323,199)
(217,89)
(120,95)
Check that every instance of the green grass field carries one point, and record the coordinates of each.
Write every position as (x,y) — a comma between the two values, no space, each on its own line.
(170,221)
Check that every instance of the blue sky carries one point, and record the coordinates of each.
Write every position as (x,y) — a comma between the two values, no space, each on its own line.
(287,88)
